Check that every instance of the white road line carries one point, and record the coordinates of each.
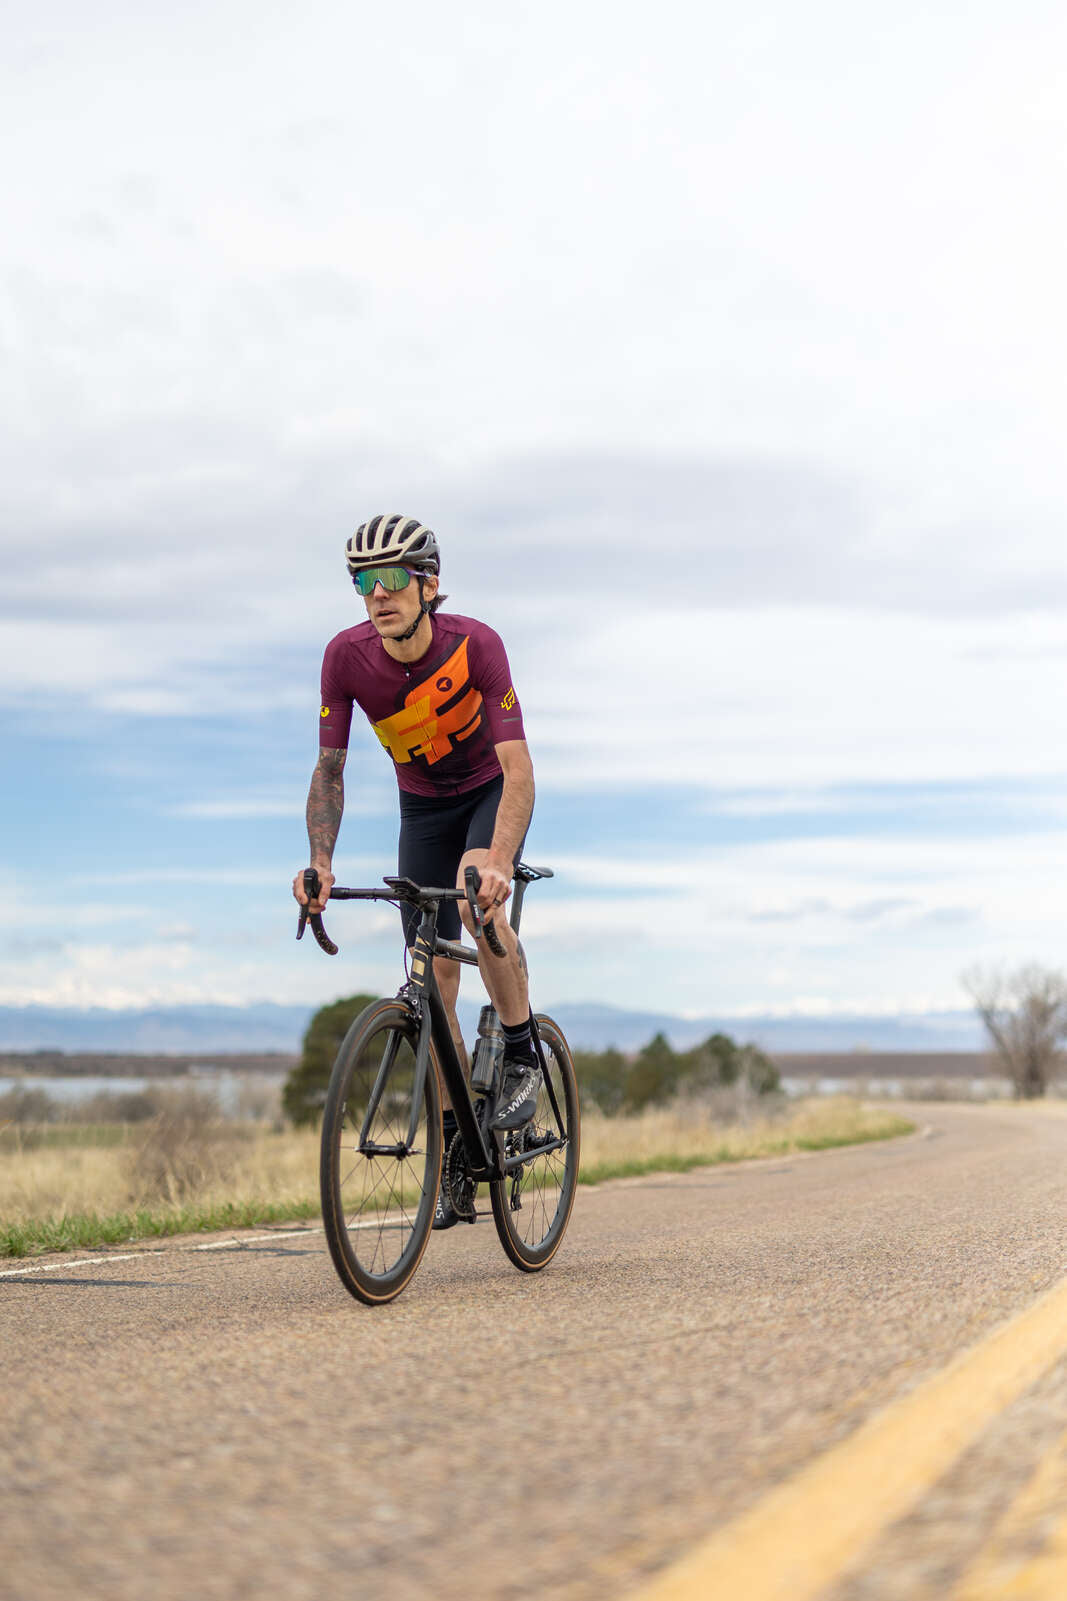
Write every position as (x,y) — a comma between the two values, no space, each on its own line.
(131,1256)
(253,1239)
(80,1261)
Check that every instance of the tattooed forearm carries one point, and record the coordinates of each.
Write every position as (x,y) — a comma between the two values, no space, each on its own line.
(326,803)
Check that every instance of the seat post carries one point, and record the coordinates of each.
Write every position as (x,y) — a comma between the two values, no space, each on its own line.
(517,896)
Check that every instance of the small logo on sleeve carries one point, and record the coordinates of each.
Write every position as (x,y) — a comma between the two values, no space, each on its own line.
(324,711)
(508,702)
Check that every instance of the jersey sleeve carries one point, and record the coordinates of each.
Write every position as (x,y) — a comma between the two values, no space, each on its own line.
(335,712)
(491,675)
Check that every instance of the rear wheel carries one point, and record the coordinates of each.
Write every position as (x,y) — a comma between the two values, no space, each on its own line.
(379,1192)
(532,1203)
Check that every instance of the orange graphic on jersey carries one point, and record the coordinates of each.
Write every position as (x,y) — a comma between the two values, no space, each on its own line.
(423,728)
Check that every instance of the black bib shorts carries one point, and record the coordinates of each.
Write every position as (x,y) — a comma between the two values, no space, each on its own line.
(435,834)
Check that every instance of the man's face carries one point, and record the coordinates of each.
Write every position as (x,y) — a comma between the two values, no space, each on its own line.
(392,611)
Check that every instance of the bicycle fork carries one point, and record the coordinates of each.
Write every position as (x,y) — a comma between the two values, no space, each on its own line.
(369,1147)
(422,981)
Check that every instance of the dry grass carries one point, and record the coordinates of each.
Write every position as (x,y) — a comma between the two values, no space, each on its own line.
(242,1164)
(690,1134)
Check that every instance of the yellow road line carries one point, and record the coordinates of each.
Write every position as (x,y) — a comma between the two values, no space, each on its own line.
(1006,1565)
(806,1533)
(1042,1579)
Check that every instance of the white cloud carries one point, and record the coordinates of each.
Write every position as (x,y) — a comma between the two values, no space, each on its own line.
(229,877)
(240,806)
(368,801)
(787,698)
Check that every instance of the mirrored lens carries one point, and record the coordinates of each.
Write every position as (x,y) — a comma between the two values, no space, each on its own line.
(389,577)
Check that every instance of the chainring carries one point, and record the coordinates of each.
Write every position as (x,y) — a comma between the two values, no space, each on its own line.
(460,1185)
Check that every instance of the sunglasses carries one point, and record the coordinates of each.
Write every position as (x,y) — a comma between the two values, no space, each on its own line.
(390,578)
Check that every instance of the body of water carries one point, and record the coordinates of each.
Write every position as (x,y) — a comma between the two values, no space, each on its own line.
(227,1087)
(980,1089)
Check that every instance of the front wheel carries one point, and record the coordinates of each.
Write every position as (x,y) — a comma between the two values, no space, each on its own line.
(379,1186)
(532,1202)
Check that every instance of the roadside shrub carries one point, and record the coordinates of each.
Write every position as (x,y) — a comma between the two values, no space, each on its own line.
(652,1077)
(601,1077)
(117,1106)
(730,1105)
(758,1071)
(711,1065)
(24,1105)
(304,1092)
(258,1100)
(658,1075)
(720,1061)
(184,1147)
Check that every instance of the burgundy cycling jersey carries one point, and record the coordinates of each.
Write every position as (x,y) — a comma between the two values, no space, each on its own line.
(440,718)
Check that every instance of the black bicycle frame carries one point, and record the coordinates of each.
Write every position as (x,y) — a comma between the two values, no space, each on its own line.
(422,994)
(484,1163)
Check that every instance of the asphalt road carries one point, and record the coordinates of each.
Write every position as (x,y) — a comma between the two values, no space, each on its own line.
(228,1422)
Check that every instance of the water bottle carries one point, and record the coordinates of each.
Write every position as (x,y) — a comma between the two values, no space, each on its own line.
(488,1050)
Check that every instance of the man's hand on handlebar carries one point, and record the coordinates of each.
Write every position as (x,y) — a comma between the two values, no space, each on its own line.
(311,894)
(326,883)
(494,889)
(481,922)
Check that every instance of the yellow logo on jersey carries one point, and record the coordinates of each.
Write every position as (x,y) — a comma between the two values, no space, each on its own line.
(324,712)
(508,702)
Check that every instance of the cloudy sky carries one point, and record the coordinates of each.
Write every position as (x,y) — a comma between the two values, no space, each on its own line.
(725,354)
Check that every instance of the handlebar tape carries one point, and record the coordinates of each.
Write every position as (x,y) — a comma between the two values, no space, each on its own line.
(325,943)
(312,885)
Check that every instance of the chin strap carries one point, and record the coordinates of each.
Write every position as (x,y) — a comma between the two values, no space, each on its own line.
(424,609)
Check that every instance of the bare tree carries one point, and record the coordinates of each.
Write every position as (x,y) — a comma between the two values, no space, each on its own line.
(1025,1016)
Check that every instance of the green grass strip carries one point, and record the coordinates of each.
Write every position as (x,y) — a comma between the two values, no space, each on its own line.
(637,1167)
(83,1230)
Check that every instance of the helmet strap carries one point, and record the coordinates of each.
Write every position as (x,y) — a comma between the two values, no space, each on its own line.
(424,608)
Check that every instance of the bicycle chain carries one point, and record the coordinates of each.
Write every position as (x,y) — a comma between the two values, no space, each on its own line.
(458,1182)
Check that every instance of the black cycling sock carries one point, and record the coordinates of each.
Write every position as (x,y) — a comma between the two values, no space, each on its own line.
(518,1040)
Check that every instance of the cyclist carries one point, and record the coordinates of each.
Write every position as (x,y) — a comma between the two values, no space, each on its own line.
(437,690)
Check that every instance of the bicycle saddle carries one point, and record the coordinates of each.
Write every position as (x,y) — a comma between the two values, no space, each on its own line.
(528,874)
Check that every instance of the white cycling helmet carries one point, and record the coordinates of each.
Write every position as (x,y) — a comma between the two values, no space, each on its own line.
(394,539)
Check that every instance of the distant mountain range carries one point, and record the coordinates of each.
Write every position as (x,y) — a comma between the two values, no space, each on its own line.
(270,1027)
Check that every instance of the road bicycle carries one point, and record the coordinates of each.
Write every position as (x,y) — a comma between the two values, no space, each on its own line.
(382,1158)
